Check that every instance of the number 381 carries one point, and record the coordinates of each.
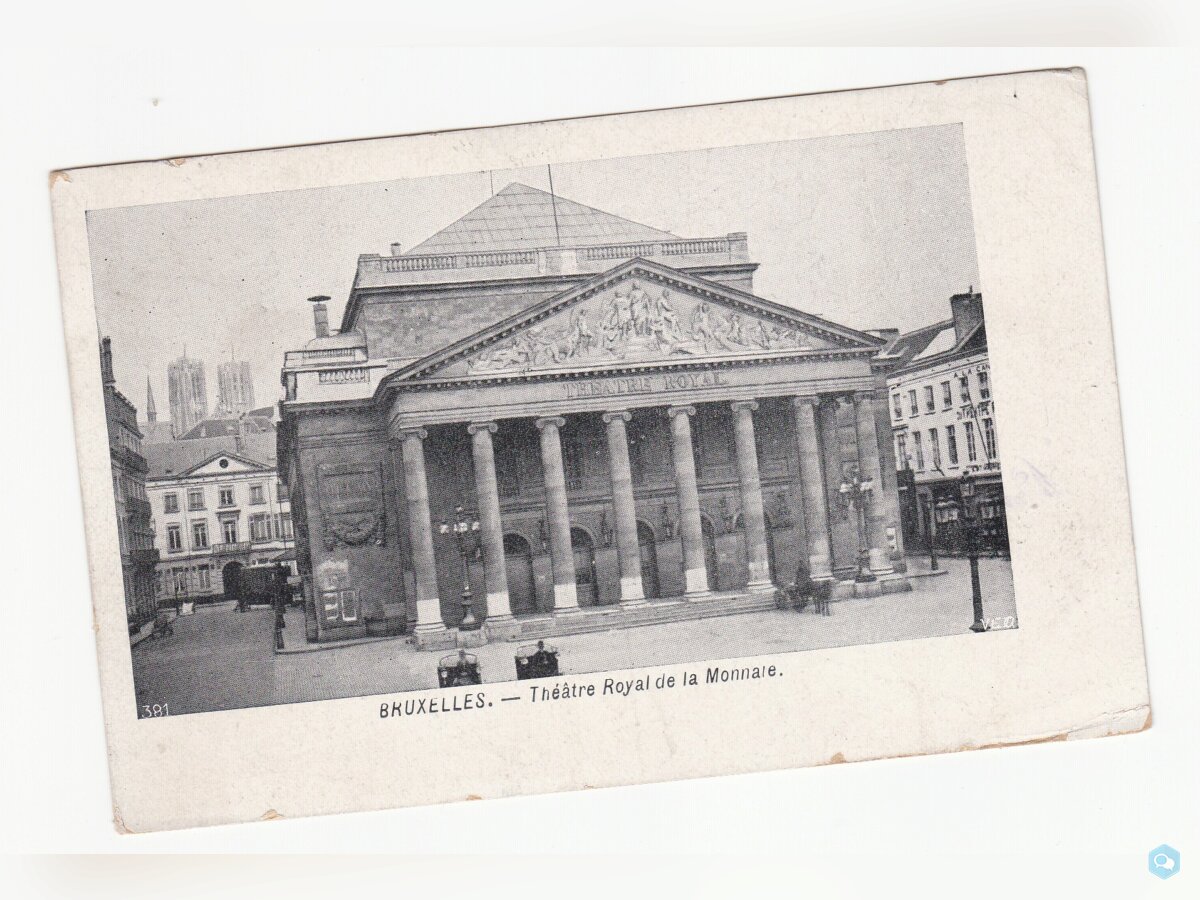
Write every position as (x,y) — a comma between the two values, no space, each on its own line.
(155,710)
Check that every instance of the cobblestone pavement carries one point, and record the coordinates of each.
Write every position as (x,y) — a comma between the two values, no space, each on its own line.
(221,659)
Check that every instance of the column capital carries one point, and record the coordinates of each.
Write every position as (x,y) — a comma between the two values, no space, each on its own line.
(475,427)
(404,434)
(556,421)
(749,405)
(677,410)
(864,396)
(800,400)
(622,414)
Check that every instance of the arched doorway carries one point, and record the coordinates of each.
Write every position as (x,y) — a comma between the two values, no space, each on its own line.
(710,552)
(231,580)
(585,567)
(518,561)
(649,554)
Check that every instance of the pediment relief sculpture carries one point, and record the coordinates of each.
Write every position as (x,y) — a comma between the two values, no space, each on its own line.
(631,324)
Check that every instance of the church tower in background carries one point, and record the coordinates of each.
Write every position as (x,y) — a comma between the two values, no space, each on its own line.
(188,389)
(235,389)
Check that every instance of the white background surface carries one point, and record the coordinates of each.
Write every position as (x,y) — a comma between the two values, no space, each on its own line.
(1063,818)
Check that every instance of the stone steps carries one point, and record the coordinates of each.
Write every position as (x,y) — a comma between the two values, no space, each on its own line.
(655,612)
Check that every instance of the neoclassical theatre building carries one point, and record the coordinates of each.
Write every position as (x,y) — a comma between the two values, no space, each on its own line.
(626,431)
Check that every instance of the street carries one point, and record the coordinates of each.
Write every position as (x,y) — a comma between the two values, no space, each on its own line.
(221,659)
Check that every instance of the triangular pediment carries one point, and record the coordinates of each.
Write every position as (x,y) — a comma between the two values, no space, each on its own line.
(225,464)
(638,314)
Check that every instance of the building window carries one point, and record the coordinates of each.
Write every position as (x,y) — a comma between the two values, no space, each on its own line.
(912,403)
(196,499)
(918,450)
(283,527)
(179,578)
(225,496)
(989,439)
(952,444)
(256,494)
(969,429)
(204,578)
(985,389)
(901,451)
(897,407)
(171,503)
(947,395)
(935,448)
(260,528)
(930,406)
(174,538)
(964,388)
(229,531)
(200,535)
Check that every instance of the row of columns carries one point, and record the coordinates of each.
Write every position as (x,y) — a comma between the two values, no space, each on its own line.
(816,516)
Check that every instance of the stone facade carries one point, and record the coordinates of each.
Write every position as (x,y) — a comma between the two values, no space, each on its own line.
(626,421)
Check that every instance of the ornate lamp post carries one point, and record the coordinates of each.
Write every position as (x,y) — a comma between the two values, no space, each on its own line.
(465,529)
(856,492)
(970,532)
(933,560)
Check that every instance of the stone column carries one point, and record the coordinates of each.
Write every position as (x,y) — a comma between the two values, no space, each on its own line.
(558,519)
(868,466)
(753,520)
(695,574)
(488,498)
(812,485)
(629,553)
(420,531)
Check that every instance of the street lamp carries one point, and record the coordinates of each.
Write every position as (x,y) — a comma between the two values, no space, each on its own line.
(970,532)
(465,529)
(856,493)
(933,560)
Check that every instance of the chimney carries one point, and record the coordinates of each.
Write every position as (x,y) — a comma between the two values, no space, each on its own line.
(397,249)
(239,440)
(320,315)
(106,368)
(967,311)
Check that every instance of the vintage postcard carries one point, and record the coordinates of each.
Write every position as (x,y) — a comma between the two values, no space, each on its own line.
(582,453)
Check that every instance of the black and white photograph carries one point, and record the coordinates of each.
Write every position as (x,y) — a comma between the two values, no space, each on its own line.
(583,417)
(626,449)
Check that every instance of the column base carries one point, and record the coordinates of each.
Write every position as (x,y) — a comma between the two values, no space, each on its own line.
(498,606)
(760,587)
(427,637)
(880,562)
(632,593)
(696,583)
(566,598)
(502,628)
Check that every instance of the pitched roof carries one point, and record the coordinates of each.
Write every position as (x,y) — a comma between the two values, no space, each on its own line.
(226,426)
(176,457)
(156,432)
(521,217)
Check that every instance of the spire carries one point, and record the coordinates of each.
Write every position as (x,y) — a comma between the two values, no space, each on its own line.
(151,413)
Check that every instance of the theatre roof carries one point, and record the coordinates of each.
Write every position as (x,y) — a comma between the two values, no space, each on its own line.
(521,217)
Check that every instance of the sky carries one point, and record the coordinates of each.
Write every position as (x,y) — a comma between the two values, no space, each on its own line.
(870,231)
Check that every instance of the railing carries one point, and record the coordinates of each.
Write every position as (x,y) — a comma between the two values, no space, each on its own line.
(230,549)
(597,253)
(301,357)
(618,251)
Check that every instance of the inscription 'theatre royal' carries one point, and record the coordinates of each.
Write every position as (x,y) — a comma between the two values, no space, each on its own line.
(645,384)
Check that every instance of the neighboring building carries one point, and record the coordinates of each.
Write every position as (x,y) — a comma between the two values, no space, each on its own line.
(257,421)
(188,388)
(235,389)
(154,431)
(218,508)
(618,414)
(134,529)
(944,424)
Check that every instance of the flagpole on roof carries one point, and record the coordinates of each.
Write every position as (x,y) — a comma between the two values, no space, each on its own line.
(553,206)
